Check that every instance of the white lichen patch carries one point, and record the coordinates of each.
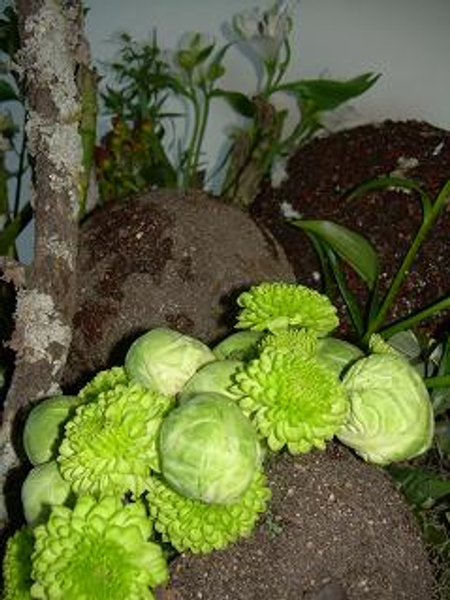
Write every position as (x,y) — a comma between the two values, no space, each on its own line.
(404,164)
(61,144)
(47,56)
(42,326)
(288,211)
(61,250)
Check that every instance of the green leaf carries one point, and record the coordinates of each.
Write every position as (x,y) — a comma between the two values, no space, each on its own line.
(442,438)
(349,298)
(388,182)
(441,396)
(328,94)
(239,102)
(9,234)
(353,248)
(7,92)
(421,488)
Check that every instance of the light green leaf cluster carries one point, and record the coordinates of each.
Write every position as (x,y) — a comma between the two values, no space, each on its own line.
(209,450)
(98,550)
(391,416)
(163,360)
(44,427)
(43,488)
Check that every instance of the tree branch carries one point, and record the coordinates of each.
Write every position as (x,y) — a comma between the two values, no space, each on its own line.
(52,49)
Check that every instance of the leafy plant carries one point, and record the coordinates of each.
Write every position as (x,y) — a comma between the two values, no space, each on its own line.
(14,215)
(335,244)
(143,148)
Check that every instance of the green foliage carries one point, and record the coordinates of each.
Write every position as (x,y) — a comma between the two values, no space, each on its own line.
(14,216)
(143,150)
(334,243)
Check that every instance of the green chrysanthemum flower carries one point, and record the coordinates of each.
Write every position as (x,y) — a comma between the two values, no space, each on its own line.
(293,401)
(110,445)
(275,306)
(200,527)
(97,551)
(103,382)
(17,566)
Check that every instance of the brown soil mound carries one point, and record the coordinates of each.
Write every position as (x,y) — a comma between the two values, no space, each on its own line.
(320,176)
(164,259)
(336,530)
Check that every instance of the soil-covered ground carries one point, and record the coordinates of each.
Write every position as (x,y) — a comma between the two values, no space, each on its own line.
(336,530)
(320,177)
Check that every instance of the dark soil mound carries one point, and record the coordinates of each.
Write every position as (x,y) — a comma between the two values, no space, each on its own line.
(164,259)
(320,176)
(337,530)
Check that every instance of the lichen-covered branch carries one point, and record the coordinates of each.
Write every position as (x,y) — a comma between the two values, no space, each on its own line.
(53,49)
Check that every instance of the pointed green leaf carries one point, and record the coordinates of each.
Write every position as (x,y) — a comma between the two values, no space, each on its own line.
(9,234)
(239,102)
(353,248)
(442,438)
(421,488)
(328,94)
(7,92)
(388,182)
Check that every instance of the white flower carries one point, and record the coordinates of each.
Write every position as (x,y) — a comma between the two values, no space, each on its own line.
(266,30)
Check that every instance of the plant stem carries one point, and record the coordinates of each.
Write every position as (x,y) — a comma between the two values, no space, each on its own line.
(408,322)
(20,171)
(427,223)
(189,167)
(203,120)
(442,381)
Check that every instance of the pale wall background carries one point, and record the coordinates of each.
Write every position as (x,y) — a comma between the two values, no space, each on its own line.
(407,41)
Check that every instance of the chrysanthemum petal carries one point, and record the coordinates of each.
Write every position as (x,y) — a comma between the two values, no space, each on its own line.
(278,306)
(101,558)
(293,401)
(110,444)
(199,527)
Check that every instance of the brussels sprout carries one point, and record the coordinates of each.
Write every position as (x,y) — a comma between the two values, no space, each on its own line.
(242,345)
(213,377)
(209,450)
(43,488)
(337,354)
(391,416)
(44,427)
(163,360)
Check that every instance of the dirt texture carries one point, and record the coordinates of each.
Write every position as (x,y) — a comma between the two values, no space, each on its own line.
(336,530)
(320,177)
(164,259)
